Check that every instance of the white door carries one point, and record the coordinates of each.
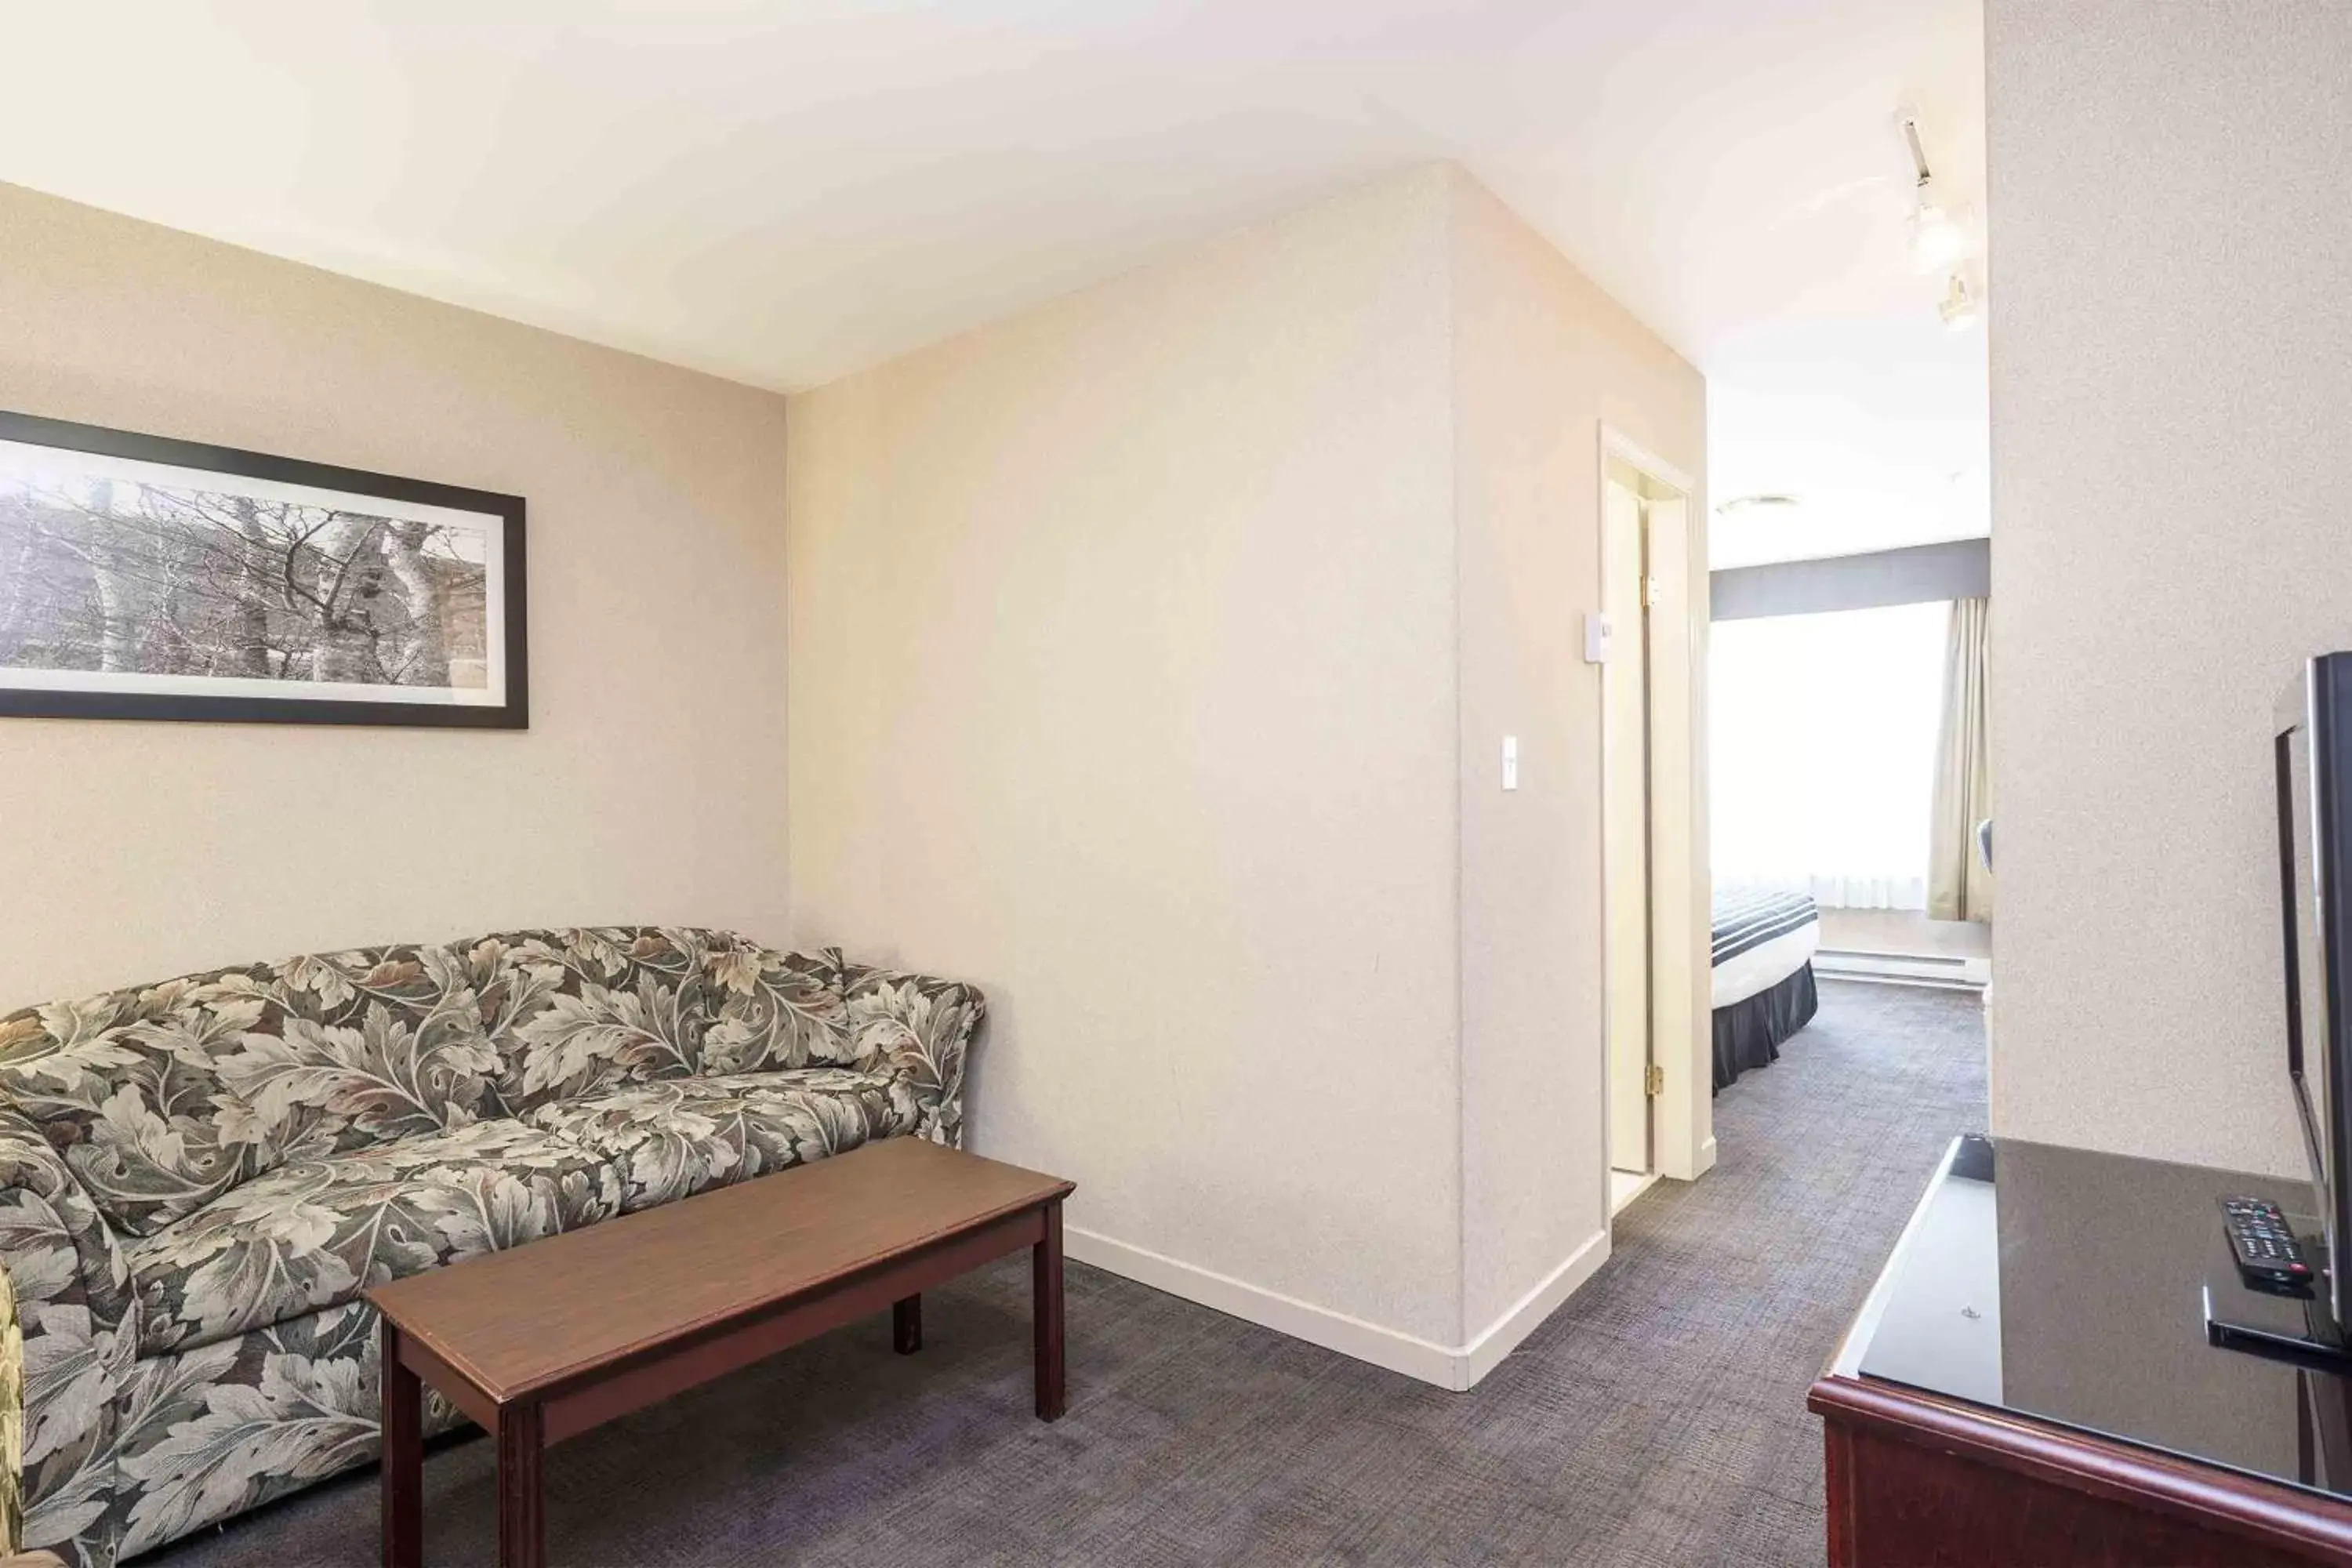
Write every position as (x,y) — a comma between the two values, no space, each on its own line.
(1624,718)
(1680,1022)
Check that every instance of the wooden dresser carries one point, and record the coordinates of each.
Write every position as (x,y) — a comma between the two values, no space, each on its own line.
(2029,1382)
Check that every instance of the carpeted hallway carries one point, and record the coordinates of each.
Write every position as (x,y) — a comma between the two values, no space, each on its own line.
(1657,1419)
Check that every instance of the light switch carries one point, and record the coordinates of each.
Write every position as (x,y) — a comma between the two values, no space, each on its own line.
(1510,761)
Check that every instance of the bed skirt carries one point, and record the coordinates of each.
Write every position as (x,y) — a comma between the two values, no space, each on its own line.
(1749,1034)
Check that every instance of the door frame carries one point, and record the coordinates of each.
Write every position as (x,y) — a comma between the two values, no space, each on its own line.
(1682,1129)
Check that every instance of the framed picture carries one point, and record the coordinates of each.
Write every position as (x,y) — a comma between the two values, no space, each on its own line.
(145,578)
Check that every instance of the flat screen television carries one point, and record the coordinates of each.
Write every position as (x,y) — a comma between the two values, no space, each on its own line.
(2314,757)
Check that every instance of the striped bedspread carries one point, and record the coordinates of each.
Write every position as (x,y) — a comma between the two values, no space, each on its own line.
(1747,920)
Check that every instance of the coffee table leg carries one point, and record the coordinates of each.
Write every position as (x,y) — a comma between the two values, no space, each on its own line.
(906,1325)
(1046,1279)
(404,1458)
(522,1531)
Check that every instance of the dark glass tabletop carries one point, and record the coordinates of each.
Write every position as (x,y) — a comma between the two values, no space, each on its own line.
(2071,1286)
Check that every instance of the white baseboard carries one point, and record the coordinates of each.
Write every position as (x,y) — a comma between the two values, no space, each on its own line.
(1619,1204)
(1453,1367)
(1486,1353)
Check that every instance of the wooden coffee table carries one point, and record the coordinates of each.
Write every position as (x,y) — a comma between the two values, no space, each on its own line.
(544,1341)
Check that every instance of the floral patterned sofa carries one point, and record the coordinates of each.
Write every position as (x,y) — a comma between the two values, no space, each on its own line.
(199,1178)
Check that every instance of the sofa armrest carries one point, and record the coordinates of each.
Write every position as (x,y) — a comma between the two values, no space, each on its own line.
(12,1422)
(70,1339)
(916,1028)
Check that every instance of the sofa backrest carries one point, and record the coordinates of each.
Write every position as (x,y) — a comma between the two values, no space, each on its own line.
(161,1098)
(583,1012)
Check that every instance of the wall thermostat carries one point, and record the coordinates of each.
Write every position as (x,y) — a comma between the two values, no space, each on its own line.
(1599,634)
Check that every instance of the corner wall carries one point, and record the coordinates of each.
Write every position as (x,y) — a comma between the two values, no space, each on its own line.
(1542,360)
(1150,657)
(1122,682)
(2171,366)
(645,788)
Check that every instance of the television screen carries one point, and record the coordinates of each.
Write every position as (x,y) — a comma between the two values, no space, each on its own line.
(2314,757)
(2306,1018)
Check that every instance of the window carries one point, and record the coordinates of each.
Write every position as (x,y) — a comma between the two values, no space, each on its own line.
(1822,733)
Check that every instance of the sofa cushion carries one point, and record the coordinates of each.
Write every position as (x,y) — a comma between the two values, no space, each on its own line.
(584,1012)
(317,1231)
(675,1138)
(162,1098)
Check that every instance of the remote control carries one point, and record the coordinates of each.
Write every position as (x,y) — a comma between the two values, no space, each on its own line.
(2265,1248)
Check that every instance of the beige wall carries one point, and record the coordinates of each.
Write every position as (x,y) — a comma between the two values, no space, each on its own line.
(1542,359)
(649,786)
(2171,366)
(1122,682)
(1137,674)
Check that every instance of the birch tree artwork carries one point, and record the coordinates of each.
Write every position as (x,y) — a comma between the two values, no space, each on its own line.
(142,577)
(117,576)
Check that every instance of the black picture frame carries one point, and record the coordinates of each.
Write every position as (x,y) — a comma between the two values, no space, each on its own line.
(509,633)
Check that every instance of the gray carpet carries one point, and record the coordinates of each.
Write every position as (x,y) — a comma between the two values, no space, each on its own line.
(1658,1418)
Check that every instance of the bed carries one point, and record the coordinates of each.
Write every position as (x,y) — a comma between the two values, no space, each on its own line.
(1763,967)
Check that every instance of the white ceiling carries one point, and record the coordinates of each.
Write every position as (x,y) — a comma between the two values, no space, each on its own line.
(782,190)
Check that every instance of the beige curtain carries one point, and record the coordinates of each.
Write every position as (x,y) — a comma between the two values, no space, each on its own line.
(1960,887)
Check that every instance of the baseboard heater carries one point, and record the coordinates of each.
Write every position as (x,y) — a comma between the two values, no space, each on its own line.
(1957,973)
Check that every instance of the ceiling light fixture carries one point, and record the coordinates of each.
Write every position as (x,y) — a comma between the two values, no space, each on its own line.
(1740,504)
(1961,305)
(1938,238)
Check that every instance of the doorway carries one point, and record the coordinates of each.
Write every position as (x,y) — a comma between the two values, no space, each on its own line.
(1655,1102)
